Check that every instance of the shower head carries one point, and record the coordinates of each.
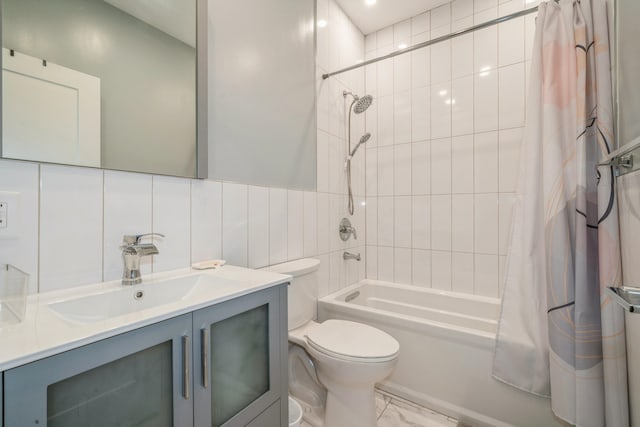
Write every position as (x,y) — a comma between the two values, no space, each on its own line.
(362,104)
(364,139)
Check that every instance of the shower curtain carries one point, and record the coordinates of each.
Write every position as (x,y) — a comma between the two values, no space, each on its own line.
(559,335)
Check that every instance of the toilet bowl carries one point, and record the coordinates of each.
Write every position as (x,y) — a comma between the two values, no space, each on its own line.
(347,358)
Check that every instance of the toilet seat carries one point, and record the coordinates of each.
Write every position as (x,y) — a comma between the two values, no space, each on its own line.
(352,341)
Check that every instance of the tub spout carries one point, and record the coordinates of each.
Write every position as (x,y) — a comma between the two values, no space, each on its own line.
(348,255)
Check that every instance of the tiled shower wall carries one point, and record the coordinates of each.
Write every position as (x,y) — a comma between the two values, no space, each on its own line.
(339,44)
(441,170)
(72,219)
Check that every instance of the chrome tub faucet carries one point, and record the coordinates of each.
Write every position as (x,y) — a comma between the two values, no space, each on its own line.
(348,255)
(132,252)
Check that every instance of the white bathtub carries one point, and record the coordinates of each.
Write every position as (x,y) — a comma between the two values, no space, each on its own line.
(446,351)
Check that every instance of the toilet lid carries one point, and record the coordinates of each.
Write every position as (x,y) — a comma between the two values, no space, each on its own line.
(345,339)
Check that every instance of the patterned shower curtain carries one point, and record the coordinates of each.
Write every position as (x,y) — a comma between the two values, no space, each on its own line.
(559,335)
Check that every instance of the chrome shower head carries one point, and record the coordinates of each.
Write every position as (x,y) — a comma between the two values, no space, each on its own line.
(364,139)
(362,104)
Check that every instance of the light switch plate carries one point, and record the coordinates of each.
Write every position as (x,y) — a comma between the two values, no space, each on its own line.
(9,215)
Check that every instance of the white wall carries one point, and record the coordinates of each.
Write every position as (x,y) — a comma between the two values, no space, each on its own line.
(261,96)
(442,170)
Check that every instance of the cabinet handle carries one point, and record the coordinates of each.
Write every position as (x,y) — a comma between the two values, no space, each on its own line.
(186,366)
(204,335)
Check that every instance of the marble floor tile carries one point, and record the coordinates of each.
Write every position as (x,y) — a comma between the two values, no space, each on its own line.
(382,400)
(402,413)
(393,411)
(396,416)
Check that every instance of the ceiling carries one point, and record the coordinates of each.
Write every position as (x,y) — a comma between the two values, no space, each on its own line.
(385,12)
(174,17)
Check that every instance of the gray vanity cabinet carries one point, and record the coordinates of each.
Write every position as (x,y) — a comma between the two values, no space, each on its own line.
(238,353)
(140,378)
(224,365)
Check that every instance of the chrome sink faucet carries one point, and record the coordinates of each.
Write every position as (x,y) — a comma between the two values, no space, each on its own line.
(132,252)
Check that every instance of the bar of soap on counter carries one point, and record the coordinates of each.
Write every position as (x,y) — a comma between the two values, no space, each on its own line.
(208,265)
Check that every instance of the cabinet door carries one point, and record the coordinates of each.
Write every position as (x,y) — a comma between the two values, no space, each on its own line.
(238,366)
(140,378)
(270,417)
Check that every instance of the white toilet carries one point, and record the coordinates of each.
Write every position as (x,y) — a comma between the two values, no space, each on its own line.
(349,357)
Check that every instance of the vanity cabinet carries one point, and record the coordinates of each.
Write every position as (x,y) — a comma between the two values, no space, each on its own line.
(238,360)
(224,365)
(138,378)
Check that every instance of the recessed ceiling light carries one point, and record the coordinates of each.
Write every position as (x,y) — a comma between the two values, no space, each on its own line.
(322,23)
(402,46)
(370,2)
(443,93)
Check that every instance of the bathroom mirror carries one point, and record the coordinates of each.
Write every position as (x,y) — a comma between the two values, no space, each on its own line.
(627,35)
(112,84)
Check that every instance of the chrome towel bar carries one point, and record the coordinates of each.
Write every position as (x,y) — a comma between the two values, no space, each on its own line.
(628,298)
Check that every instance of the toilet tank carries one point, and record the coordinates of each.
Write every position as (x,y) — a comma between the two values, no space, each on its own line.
(303,290)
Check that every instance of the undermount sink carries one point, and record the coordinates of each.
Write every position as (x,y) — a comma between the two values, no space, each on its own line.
(130,299)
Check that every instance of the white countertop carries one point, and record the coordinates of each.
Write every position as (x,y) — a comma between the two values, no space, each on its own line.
(43,332)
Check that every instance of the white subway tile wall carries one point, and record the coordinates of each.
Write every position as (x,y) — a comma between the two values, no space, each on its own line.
(454,168)
(71,230)
(22,251)
(171,217)
(234,223)
(341,44)
(128,209)
(258,226)
(206,220)
(72,221)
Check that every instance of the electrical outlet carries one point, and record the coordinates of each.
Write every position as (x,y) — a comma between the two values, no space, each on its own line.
(3,214)
(9,215)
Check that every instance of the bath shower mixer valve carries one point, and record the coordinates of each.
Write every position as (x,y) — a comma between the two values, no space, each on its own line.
(346,230)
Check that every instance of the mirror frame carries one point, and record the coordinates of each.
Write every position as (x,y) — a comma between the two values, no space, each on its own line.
(201,90)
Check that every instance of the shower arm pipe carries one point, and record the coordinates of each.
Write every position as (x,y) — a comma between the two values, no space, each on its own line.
(434,41)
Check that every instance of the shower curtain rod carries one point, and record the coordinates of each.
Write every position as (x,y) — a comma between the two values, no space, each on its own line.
(434,41)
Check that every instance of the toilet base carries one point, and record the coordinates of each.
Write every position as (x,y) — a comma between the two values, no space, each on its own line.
(352,407)
(312,416)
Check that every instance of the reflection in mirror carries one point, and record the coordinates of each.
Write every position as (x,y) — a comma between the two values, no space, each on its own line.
(102,83)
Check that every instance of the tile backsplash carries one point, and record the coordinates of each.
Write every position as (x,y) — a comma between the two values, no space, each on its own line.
(72,221)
